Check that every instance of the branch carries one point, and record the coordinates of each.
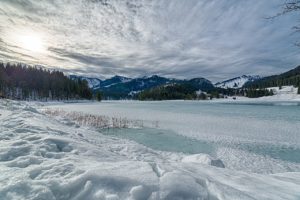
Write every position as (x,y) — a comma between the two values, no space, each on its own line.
(287,7)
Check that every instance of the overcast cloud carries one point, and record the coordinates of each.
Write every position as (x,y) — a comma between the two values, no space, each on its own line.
(216,39)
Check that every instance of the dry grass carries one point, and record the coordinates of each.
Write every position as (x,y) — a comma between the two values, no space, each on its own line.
(97,121)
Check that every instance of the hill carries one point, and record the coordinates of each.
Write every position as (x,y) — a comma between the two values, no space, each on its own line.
(237,82)
(291,78)
(186,89)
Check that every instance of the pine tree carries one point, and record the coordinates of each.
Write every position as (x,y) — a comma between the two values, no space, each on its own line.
(98,96)
(27,82)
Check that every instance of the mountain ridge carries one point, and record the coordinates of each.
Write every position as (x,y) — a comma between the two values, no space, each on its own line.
(237,82)
(119,87)
(291,77)
(122,87)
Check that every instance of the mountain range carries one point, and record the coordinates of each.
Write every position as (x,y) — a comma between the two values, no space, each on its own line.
(122,87)
(98,84)
(118,87)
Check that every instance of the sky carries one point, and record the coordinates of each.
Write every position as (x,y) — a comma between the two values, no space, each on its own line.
(215,39)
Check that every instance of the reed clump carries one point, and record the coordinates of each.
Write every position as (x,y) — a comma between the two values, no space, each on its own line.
(97,121)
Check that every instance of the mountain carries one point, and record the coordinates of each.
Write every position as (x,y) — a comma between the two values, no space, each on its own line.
(237,82)
(291,78)
(182,89)
(129,87)
(98,84)
(93,83)
(119,87)
(114,80)
(201,84)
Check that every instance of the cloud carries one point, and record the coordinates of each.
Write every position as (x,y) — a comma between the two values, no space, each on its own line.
(217,39)
(104,62)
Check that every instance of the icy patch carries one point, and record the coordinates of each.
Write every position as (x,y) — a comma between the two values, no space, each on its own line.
(163,140)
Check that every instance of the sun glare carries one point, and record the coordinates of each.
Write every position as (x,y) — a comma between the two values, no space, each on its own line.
(32,42)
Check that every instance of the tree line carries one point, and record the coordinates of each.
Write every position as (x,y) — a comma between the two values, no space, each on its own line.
(255,93)
(169,92)
(24,82)
(291,77)
(187,91)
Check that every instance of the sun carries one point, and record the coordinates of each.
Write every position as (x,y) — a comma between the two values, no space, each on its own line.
(31,42)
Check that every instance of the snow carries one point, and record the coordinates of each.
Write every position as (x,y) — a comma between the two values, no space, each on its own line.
(132,93)
(45,157)
(204,159)
(287,94)
(237,82)
(229,131)
(120,79)
(93,83)
(284,93)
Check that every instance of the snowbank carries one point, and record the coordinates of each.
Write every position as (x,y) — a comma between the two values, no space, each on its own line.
(46,158)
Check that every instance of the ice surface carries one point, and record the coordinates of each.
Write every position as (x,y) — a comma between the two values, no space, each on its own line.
(46,158)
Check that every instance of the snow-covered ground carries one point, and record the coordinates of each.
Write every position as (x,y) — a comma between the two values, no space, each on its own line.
(285,93)
(44,157)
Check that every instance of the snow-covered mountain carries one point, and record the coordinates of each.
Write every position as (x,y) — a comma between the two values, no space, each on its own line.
(122,87)
(237,82)
(121,81)
(126,87)
(114,80)
(96,83)
(93,83)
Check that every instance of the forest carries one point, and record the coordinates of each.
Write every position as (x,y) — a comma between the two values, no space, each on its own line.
(291,77)
(188,91)
(22,82)
(169,92)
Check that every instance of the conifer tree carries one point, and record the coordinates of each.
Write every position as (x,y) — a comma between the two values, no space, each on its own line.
(18,81)
(98,96)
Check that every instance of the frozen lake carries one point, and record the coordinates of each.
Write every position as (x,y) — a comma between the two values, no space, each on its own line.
(178,150)
(261,137)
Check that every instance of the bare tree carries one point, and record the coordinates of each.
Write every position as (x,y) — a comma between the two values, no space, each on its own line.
(290,6)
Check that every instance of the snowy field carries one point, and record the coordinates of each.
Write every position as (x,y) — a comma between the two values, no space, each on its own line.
(180,150)
(284,94)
